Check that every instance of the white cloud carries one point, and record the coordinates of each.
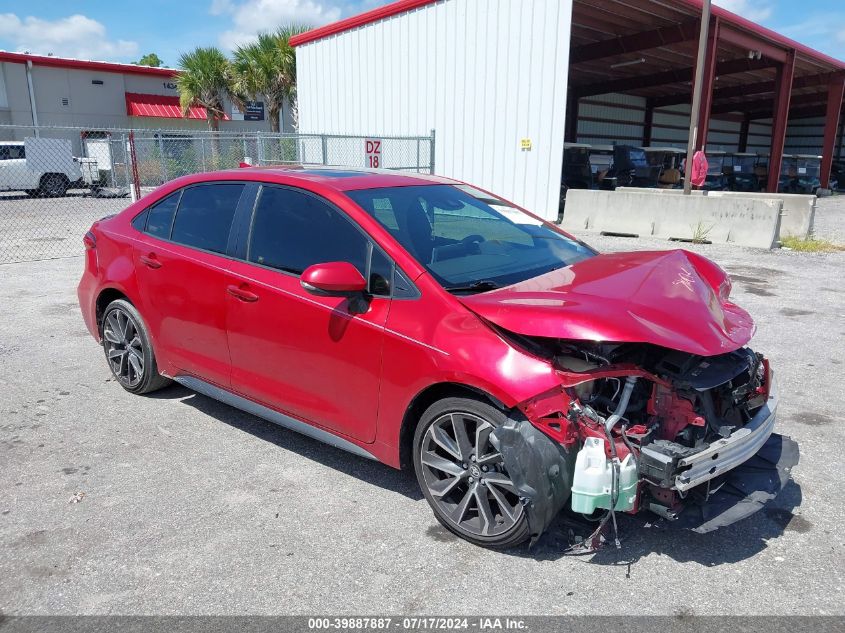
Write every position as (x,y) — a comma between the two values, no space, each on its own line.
(251,16)
(754,10)
(822,31)
(73,36)
(219,7)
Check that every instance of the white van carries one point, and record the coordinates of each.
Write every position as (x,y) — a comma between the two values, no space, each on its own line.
(43,167)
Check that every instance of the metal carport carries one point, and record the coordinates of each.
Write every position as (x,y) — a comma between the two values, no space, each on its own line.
(647,48)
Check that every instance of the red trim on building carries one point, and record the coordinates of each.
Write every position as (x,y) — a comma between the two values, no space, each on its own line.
(762,31)
(81,64)
(161,106)
(355,21)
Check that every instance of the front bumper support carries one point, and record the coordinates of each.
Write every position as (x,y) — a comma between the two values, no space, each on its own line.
(728,453)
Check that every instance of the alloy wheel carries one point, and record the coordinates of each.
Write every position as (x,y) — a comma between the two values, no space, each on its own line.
(124,348)
(466,477)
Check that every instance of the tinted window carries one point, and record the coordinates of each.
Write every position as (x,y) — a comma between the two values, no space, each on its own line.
(381,272)
(292,230)
(205,216)
(160,216)
(139,222)
(463,236)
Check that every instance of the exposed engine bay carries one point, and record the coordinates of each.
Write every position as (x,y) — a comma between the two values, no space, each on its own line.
(643,427)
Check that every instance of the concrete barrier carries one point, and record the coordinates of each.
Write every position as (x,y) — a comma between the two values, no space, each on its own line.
(799,210)
(745,221)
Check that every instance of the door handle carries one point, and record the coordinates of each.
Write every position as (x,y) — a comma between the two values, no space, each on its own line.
(150,261)
(241,292)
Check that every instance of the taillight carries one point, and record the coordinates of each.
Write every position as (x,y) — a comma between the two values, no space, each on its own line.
(90,241)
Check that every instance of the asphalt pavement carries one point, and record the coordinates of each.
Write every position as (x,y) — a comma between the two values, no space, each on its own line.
(176,504)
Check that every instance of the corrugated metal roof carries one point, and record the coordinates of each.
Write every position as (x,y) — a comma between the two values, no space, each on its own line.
(84,64)
(161,106)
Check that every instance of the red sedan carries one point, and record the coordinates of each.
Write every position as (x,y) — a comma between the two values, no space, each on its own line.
(426,324)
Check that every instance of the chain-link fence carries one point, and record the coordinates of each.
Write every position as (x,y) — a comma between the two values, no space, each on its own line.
(55,181)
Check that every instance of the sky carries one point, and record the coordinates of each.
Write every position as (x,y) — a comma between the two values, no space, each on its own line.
(123,31)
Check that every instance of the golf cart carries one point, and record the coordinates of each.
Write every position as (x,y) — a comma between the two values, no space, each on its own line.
(837,175)
(716,179)
(631,168)
(601,161)
(739,168)
(668,160)
(799,173)
(577,172)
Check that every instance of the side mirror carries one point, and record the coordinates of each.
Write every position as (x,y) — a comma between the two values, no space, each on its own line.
(333,279)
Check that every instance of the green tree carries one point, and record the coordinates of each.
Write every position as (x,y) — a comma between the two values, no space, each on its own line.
(150,59)
(205,81)
(267,68)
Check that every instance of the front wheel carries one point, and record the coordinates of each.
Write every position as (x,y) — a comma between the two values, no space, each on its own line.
(463,476)
(129,352)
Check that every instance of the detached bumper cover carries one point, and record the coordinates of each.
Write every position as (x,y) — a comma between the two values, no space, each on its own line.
(746,489)
(728,453)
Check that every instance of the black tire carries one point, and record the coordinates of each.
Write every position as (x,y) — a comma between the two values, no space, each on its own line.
(129,352)
(53,185)
(498,519)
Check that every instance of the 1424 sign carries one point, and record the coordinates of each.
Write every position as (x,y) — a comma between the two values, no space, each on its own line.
(372,147)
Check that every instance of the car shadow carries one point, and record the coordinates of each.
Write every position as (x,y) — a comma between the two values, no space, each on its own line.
(75,193)
(646,534)
(639,535)
(368,471)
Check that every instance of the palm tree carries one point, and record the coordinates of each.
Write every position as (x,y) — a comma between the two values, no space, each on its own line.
(267,67)
(204,81)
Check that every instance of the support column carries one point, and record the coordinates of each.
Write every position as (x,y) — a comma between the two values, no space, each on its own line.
(835,91)
(743,133)
(570,134)
(783,92)
(648,123)
(707,86)
(841,135)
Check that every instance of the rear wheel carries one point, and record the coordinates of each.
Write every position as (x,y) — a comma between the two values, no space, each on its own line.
(54,185)
(128,350)
(463,476)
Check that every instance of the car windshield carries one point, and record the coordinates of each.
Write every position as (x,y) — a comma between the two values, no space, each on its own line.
(468,240)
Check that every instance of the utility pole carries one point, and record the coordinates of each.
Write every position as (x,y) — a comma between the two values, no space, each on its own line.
(696,93)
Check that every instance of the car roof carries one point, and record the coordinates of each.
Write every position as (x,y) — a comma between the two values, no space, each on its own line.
(338,178)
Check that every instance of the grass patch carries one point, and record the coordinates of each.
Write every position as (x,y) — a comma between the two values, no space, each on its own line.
(810,244)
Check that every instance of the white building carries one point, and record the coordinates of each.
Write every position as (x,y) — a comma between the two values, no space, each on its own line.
(504,82)
(433,68)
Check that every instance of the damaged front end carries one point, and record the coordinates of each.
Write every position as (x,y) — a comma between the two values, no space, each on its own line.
(637,427)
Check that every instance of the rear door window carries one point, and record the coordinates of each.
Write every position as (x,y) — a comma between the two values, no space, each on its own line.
(205,214)
(159,219)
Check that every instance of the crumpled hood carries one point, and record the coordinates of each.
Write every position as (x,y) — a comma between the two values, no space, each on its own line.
(675,299)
